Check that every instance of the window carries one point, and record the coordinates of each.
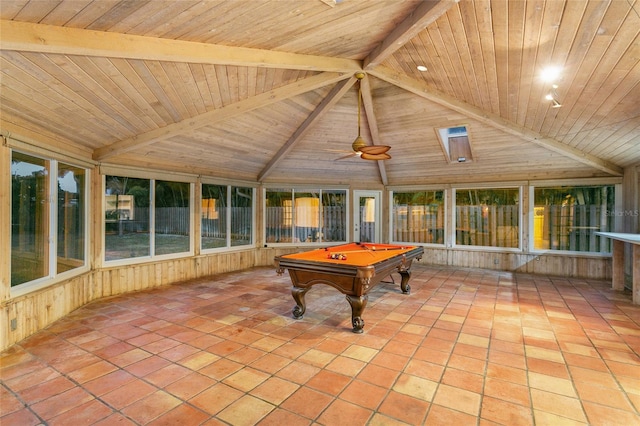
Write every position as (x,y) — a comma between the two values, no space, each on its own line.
(213,223)
(127,218)
(294,216)
(418,217)
(567,217)
(44,244)
(487,217)
(227,216)
(138,224)
(71,217)
(172,217)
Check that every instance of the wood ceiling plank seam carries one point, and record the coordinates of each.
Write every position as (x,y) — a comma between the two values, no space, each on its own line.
(139,90)
(75,94)
(319,33)
(233,81)
(439,42)
(252,80)
(472,32)
(200,80)
(624,143)
(596,134)
(516,23)
(500,23)
(437,71)
(552,16)
(132,17)
(467,61)
(529,81)
(223,84)
(243,77)
(444,45)
(21,109)
(278,77)
(421,17)
(185,86)
(110,92)
(261,80)
(614,49)
(197,16)
(118,13)
(64,11)
(92,11)
(190,12)
(10,10)
(212,83)
(327,103)
(159,83)
(290,20)
(220,114)
(497,121)
(567,27)
(34,11)
(487,42)
(162,12)
(237,20)
(579,59)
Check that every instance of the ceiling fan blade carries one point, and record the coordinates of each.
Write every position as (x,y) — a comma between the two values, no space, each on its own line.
(367,156)
(353,154)
(375,149)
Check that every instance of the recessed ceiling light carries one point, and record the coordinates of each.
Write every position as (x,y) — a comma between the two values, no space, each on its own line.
(422,68)
(551,73)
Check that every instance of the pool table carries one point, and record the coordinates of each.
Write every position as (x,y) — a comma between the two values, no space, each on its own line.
(353,269)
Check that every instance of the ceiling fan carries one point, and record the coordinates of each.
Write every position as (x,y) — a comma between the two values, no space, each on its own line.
(359,145)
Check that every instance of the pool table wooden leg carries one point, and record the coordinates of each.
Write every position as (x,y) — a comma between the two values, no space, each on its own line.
(404,284)
(298,295)
(357,306)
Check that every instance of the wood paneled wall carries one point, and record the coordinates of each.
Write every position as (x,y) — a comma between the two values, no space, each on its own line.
(37,310)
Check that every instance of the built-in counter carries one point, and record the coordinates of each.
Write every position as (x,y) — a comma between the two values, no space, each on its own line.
(617,267)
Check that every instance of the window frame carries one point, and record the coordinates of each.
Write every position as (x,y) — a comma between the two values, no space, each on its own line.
(615,182)
(227,247)
(495,186)
(152,177)
(445,198)
(53,275)
(304,188)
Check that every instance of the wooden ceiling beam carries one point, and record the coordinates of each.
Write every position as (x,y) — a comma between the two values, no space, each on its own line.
(426,13)
(423,90)
(367,101)
(327,103)
(40,38)
(217,115)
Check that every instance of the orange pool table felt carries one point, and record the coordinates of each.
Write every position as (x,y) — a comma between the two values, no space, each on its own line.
(366,265)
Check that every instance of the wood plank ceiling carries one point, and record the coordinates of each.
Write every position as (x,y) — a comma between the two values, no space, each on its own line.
(264,90)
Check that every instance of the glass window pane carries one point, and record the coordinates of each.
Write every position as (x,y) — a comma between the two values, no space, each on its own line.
(418,217)
(172,217)
(241,216)
(279,215)
(334,216)
(567,218)
(306,216)
(488,217)
(214,216)
(29,218)
(71,217)
(126,218)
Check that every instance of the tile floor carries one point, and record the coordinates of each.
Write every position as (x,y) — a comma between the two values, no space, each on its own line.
(466,347)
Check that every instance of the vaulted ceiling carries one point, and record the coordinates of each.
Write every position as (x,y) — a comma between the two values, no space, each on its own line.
(264,90)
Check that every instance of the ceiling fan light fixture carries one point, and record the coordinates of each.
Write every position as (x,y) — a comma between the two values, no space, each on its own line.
(358,144)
